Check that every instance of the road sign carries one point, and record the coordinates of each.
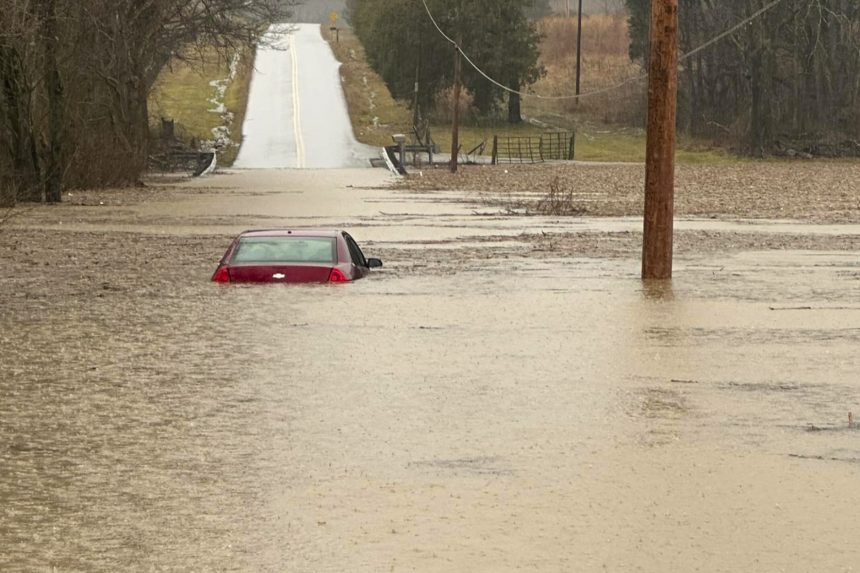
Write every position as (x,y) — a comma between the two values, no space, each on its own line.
(333,17)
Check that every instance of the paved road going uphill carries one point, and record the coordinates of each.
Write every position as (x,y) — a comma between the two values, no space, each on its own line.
(297,115)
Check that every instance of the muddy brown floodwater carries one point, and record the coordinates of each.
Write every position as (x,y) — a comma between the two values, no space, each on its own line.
(504,395)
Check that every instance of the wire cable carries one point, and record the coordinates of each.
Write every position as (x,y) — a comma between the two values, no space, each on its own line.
(630,80)
(730,31)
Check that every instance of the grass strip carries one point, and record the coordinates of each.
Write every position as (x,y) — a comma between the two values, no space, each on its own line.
(183,93)
(375,115)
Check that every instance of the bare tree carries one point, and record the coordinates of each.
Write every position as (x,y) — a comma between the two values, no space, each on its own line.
(19,156)
(75,76)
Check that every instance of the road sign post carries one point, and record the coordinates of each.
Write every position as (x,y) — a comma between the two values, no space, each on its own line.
(333,28)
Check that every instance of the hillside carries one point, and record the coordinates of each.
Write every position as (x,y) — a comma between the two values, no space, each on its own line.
(318,11)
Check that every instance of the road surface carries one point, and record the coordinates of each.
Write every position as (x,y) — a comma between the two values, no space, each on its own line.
(297,116)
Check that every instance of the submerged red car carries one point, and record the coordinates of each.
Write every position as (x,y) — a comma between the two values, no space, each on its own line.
(293,256)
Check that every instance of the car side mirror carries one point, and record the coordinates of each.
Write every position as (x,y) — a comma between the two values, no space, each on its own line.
(374,263)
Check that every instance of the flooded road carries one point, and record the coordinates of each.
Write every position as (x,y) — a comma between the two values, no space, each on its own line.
(478,405)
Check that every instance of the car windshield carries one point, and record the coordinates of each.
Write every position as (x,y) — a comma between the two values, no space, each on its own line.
(290,249)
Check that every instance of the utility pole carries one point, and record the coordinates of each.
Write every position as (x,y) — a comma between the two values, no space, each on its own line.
(578,48)
(660,150)
(416,114)
(455,130)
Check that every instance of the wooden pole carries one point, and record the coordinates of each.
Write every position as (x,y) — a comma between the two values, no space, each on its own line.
(455,130)
(578,48)
(660,150)
(416,113)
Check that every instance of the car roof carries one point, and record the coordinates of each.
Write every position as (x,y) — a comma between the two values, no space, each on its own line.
(291,233)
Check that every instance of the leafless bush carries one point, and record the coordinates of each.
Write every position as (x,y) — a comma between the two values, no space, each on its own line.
(8,192)
(559,201)
(602,35)
(444,104)
(605,64)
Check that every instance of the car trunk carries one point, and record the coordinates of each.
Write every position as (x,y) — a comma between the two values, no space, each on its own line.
(274,273)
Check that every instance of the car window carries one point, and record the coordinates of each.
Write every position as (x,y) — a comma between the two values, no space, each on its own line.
(291,249)
(355,251)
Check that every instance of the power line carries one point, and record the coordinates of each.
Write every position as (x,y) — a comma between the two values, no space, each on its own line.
(730,31)
(630,80)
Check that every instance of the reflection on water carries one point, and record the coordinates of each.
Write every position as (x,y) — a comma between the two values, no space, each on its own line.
(658,290)
(555,417)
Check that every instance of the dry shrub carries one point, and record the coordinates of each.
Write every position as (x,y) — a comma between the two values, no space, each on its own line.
(605,65)
(98,161)
(559,201)
(444,104)
(8,191)
(602,34)
(622,104)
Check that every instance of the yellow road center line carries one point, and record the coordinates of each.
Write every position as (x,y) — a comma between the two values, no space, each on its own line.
(297,107)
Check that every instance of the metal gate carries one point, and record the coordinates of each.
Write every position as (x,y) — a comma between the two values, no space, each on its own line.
(549,146)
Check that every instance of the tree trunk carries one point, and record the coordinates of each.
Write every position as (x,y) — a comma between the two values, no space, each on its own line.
(762,70)
(53,159)
(10,129)
(22,179)
(515,115)
(138,130)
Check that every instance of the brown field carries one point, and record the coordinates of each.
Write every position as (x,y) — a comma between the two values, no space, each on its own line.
(605,66)
(821,192)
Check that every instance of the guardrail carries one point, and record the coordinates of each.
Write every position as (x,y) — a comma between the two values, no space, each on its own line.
(196,162)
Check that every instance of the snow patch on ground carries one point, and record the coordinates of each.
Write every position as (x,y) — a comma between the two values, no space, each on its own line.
(222,135)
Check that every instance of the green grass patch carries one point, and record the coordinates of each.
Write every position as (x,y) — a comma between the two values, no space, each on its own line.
(592,144)
(183,93)
(471,135)
(625,146)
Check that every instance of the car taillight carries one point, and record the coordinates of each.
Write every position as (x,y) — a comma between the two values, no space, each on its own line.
(337,276)
(222,275)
